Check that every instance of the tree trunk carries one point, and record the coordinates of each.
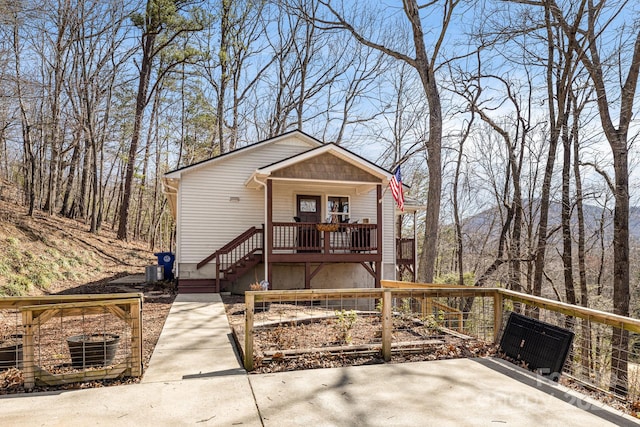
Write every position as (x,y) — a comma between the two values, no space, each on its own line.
(515,252)
(96,199)
(75,160)
(456,209)
(58,74)
(29,160)
(141,102)
(585,325)
(620,340)
(434,164)
(82,202)
(434,160)
(145,165)
(567,253)
(223,56)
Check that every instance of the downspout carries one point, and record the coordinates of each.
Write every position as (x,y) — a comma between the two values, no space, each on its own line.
(380,220)
(171,187)
(265,255)
(165,186)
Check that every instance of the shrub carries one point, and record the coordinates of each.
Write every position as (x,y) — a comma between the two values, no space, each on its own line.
(453,278)
(16,286)
(346,321)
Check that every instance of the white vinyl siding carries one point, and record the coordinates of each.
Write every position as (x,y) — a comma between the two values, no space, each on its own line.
(208,219)
(365,206)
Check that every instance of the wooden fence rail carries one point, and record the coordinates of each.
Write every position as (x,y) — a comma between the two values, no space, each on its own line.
(394,289)
(610,319)
(385,295)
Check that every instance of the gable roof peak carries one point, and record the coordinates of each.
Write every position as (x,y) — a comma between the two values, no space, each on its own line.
(296,133)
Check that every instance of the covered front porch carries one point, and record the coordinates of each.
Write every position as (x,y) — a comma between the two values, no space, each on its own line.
(316,239)
(338,239)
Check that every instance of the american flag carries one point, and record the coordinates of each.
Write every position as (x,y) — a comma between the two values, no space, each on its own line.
(396,188)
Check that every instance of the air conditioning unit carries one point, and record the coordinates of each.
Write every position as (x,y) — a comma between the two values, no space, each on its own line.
(154,273)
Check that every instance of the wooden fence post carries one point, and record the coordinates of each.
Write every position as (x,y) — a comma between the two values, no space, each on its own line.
(28,350)
(497,315)
(135,314)
(248,331)
(387,324)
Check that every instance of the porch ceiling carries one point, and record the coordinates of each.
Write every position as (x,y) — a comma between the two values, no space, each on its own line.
(360,187)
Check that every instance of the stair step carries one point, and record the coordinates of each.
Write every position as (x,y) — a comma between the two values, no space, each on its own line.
(239,268)
(196,286)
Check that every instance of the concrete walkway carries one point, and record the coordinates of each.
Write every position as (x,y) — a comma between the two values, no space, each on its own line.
(195,342)
(196,378)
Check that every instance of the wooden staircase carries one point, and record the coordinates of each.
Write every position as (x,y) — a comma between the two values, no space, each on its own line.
(233,261)
(239,268)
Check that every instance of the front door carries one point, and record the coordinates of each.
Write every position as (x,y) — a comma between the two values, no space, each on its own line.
(309,209)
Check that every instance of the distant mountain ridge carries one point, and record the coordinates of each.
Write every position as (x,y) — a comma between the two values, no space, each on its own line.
(592,217)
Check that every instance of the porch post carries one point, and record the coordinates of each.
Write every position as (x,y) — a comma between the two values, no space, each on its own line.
(415,247)
(269,232)
(399,248)
(379,234)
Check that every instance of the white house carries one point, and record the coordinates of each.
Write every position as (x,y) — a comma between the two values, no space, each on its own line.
(291,210)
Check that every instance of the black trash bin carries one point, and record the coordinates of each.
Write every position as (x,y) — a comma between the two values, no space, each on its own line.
(166,259)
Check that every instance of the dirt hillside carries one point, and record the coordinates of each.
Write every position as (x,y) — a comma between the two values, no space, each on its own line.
(47,255)
(54,255)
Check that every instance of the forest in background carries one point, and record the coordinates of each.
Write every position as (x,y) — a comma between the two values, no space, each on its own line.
(516,115)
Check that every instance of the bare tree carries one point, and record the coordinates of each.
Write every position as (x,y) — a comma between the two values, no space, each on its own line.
(514,131)
(27,130)
(425,63)
(577,107)
(233,72)
(98,60)
(456,198)
(599,18)
(162,24)
(60,41)
(308,70)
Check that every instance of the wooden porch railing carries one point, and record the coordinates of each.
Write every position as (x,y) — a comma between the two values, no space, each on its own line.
(405,259)
(240,241)
(304,237)
(234,252)
(405,251)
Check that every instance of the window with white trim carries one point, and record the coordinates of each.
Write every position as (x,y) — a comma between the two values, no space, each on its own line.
(338,209)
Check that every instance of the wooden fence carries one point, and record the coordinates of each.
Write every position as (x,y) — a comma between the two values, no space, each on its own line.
(584,322)
(45,323)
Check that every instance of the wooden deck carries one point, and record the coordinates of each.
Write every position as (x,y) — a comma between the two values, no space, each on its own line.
(310,242)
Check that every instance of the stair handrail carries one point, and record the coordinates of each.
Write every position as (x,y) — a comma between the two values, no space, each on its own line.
(230,246)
